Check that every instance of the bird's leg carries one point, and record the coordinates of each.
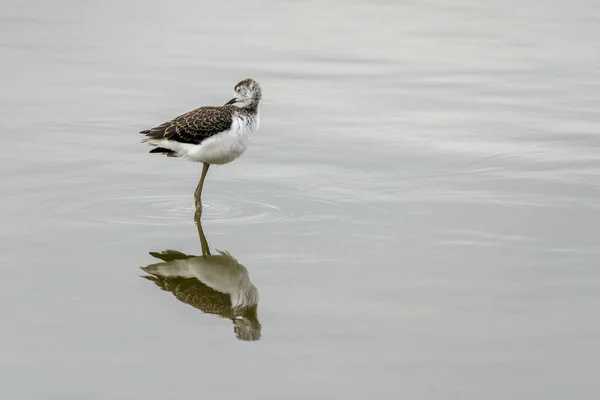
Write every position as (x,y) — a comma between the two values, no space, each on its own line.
(198,192)
(198,213)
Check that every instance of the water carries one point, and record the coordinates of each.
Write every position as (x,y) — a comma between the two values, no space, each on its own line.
(419,211)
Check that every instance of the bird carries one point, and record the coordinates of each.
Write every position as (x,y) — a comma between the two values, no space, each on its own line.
(210,134)
(215,284)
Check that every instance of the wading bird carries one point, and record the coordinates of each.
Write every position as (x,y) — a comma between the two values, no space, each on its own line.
(210,134)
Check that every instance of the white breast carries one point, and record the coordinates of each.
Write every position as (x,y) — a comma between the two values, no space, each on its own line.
(226,146)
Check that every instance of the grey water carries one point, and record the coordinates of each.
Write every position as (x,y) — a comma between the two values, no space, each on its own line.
(419,211)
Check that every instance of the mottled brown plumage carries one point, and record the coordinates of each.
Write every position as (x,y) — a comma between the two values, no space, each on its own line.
(195,293)
(194,126)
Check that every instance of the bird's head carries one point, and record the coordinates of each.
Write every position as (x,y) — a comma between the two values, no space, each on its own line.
(246,329)
(245,323)
(247,94)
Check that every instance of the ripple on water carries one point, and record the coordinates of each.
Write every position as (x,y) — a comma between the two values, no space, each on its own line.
(149,208)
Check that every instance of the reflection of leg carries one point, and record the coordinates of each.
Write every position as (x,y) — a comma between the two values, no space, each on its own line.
(198,192)
(203,241)
(198,220)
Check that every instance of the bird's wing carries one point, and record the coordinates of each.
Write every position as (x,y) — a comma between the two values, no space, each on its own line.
(194,126)
(195,293)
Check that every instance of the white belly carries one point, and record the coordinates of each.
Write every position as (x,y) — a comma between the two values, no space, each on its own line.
(222,148)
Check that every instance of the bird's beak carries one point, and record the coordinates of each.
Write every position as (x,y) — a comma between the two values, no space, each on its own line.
(230,102)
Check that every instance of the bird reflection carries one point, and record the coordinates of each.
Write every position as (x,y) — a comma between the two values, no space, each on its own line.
(214,284)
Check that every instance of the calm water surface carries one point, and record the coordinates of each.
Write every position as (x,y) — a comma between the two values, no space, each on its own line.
(419,211)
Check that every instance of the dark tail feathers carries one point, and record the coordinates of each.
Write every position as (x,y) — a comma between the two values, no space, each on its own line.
(167,152)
